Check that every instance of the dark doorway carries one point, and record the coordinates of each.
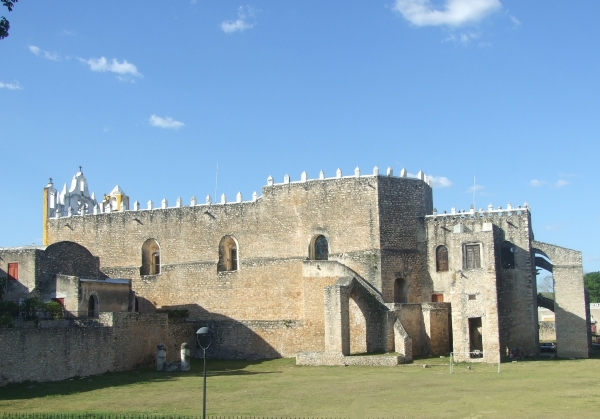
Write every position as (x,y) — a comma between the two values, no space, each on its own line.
(400,291)
(475,337)
(93,306)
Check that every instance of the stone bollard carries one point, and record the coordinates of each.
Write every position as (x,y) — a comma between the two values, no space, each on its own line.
(185,357)
(161,356)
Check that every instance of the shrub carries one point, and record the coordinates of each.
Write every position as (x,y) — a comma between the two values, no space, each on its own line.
(53,309)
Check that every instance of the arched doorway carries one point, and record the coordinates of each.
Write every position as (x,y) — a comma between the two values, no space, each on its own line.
(400,291)
(150,258)
(93,306)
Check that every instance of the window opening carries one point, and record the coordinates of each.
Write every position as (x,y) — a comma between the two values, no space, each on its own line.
(320,248)
(472,296)
(507,255)
(228,255)
(437,298)
(442,259)
(13,271)
(473,259)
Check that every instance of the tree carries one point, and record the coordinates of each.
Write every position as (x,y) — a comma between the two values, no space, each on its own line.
(546,284)
(592,284)
(4,25)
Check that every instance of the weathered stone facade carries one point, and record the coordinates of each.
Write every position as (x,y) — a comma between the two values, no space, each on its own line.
(398,276)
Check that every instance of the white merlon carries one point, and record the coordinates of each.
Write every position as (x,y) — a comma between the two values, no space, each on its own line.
(193,201)
(286,178)
(490,207)
(338,173)
(303,177)
(270,180)
(223,199)
(421,175)
(238,197)
(376,171)
(164,203)
(509,206)
(254,196)
(95,210)
(136,206)
(150,205)
(453,211)
(178,203)
(357,172)
(321,174)
(390,171)
(526,205)
(403,173)
(208,199)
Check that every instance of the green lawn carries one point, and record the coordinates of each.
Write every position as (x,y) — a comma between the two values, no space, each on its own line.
(545,389)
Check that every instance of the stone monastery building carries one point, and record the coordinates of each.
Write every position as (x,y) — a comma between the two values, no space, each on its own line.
(323,268)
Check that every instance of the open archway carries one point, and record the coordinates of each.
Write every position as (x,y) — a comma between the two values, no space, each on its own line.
(93,310)
(150,258)
(228,255)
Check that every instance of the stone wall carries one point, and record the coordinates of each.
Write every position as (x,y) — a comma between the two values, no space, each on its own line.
(273,234)
(61,350)
(547,331)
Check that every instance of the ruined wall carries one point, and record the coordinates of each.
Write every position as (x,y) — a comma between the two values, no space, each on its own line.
(472,293)
(116,342)
(401,208)
(570,308)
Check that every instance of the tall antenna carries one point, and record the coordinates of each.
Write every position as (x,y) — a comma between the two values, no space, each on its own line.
(474,189)
(216,182)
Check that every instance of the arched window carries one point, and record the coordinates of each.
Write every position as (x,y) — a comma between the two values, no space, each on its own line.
(319,248)
(150,258)
(93,306)
(507,255)
(441,259)
(400,291)
(228,255)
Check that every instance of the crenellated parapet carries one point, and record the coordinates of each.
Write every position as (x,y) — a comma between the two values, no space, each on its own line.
(78,202)
(473,214)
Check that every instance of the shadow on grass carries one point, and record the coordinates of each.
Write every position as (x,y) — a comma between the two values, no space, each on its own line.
(214,368)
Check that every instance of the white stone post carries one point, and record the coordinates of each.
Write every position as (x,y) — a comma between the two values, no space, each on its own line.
(161,356)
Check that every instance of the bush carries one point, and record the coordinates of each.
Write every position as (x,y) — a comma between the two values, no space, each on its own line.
(30,307)
(53,309)
(8,312)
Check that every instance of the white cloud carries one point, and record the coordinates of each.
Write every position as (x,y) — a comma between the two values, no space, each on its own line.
(463,38)
(454,12)
(439,181)
(166,122)
(124,69)
(553,227)
(560,183)
(10,86)
(536,183)
(514,20)
(41,53)
(241,23)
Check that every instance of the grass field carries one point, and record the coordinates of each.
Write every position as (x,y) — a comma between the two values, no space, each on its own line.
(544,389)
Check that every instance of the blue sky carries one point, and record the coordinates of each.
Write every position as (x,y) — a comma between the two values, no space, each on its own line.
(153,95)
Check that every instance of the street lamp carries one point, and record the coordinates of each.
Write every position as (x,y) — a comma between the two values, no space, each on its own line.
(204,340)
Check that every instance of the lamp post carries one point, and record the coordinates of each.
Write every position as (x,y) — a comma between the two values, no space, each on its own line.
(204,340)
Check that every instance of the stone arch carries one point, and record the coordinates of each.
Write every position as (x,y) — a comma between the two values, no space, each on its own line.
(401,289)
(228,254)
(318,248)
(150,258)
(507,255)
(441,259)
(93,308)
